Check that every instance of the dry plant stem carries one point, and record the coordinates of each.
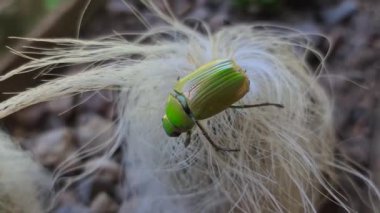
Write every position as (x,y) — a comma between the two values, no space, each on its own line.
(285,155)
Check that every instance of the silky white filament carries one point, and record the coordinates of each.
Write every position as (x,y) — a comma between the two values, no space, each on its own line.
(286,161)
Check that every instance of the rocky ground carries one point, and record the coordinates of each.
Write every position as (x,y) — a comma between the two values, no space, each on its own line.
(53,132)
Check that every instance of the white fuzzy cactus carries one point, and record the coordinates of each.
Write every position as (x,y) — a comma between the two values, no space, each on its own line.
(22,180)
(286,161)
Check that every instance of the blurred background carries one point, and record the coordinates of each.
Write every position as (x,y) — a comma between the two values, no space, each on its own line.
(353,77)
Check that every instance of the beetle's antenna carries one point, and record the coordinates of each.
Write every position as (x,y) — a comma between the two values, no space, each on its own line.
(256,105)
(218,148)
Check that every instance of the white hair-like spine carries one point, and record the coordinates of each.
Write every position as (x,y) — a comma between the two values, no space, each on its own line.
(286,162)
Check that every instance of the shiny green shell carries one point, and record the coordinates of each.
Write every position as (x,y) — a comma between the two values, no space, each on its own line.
(207,91)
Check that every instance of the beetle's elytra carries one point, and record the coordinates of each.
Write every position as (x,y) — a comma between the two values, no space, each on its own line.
(207,91)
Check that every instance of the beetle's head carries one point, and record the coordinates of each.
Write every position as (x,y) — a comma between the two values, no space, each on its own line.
(176,119)
(169,128)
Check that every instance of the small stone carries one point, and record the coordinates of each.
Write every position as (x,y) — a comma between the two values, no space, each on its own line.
(218,20)
(103,203)
(90,187)
(376,42)
(182,8)
(309,26)
(94,133)
(106,170)
(129,205)
(337,14)
(357,148)
(99,102)
(73,208)
(118,7)
(31,116)
(52,121)
(105,175)
(66,197)
(125,208)
(60,105)
(53,147)
(364,59)
(200,13)
(85,190)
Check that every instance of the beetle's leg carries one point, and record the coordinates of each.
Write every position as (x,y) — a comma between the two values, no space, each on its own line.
(218,148)
(188,138)
(256,105)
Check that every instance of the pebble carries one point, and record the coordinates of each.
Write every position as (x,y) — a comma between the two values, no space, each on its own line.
(60,105)
(357,148)
(103,203)
(99,102)
(90,187)
(73,208)
(66,197)
(183,8)
(104,178)
(93,132)
(31,116)
(199,14)
(218,21)
(118,7)
(339,13)
(84,190)
(53,147)
(106,170)
(129,205)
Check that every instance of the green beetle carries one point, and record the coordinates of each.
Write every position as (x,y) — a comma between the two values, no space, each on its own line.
(209,90)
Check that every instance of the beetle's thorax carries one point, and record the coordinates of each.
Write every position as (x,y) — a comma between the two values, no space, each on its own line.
(178,116)
(182,100)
